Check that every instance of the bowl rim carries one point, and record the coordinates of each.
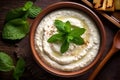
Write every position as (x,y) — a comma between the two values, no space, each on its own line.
(72,5)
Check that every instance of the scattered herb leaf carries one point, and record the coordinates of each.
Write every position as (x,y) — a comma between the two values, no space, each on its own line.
(6,62)
(27,5)
(34,11)
(15,29)
(16,24)
(19,69)
(14,13)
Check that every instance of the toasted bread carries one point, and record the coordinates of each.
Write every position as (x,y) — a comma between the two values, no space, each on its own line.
(105,5)
(109,3)
(117,4)
(97,3)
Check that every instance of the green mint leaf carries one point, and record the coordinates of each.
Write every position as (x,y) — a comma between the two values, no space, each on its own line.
(15,29)
(69,38)
(59,25)
(67,26)
(19,69)
(78,40)
(15,13)
(6,62)
(19,12)
(55,37)
(17,22)
(27,5)
(76,32)
(34,11)
(64,47)
(67,33)
(16,25)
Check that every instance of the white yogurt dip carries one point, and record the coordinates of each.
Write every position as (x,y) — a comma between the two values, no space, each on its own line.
(77,56)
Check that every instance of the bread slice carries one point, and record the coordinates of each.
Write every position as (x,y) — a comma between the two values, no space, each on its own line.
(97,3)
(109,3)
(117,4)
(105,5)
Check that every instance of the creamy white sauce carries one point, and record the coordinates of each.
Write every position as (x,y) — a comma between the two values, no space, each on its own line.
(77,56)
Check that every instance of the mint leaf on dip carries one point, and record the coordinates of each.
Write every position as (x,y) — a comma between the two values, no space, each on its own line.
(66,35)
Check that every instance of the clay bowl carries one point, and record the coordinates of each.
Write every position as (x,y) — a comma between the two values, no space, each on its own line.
(71,5)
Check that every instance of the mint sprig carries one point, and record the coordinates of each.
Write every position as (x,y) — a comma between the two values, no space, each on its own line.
(16,24)
(67,34)
(6,64)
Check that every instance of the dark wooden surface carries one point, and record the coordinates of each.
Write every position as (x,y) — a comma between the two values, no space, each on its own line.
(21,48)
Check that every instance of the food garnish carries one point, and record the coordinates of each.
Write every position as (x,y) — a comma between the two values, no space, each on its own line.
(6,64)
(16,24)
(107,5)
(67,34)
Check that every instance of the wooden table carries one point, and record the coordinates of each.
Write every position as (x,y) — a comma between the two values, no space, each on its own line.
(21,48)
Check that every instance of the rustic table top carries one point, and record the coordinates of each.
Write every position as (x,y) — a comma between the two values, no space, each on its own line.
(21,48)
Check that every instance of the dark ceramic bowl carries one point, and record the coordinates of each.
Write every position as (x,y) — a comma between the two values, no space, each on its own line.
(71,5)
